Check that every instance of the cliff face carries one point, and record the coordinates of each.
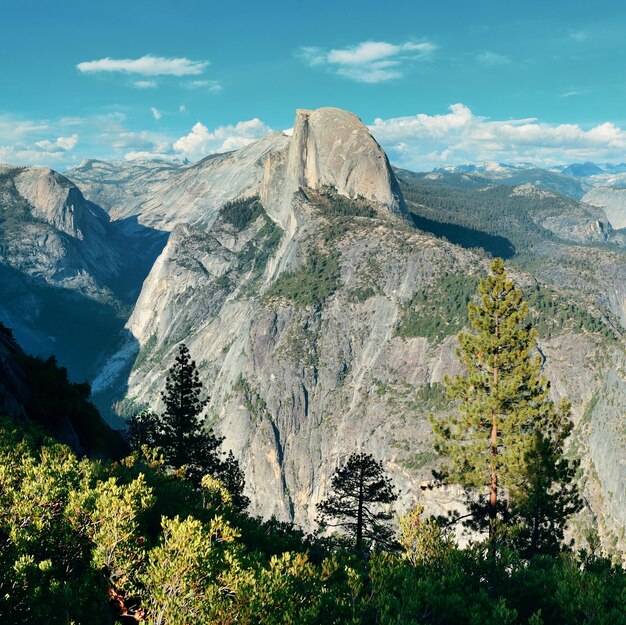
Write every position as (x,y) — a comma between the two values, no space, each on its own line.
(324,323)
(50,230)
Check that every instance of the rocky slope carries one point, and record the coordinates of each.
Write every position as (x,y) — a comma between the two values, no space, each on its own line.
(163,195)
(322,321)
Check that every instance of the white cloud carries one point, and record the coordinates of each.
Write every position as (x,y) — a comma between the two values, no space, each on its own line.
(68,143)
(182,108)
(40,152)
(369,61)
(156,113)
(145,84)
(423,141)
(574,92)
(201,141)
(146,65)
(212,86)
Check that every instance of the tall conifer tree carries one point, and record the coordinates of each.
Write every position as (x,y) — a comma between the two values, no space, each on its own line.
(506,439)
(180,433)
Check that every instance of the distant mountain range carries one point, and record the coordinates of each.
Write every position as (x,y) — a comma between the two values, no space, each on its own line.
(493,168)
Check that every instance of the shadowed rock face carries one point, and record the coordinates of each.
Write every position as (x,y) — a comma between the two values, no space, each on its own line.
(67,272)
(296,384)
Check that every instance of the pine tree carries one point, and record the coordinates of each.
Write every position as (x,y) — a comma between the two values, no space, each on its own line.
(180,433)
(358,488)
(507,435)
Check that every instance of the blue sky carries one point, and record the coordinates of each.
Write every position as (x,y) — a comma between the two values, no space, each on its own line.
(445,82)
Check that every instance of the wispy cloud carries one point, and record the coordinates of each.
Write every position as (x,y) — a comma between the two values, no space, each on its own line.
(29,142)
(213,86)
(60,143)
(156,113)
(146,65)
(459,136)
(145,84)
(579,35)
(493,58)
(573,93)
(369,61)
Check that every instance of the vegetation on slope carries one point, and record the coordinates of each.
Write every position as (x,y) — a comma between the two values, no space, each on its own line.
(439,309)
(331,204)
(241,213)
(311,283)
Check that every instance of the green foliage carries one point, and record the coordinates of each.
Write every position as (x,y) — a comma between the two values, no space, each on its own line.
(419,460)
(310,284)
(431,397)
(423,541)
(96,544)
(439,309)
(359,488)
(59,405)
(241,213)
(552,314)
(179,431)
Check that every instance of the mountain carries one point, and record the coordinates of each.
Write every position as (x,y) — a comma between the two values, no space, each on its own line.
(323,320)
(320,292)
(582,170)
(162,195)
(505,219)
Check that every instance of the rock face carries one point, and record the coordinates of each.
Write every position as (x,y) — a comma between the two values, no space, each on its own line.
(50,230)
(612,201)
(568,219)
(297,317)
(331,148)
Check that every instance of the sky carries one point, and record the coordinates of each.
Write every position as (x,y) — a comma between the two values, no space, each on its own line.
(437,82)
